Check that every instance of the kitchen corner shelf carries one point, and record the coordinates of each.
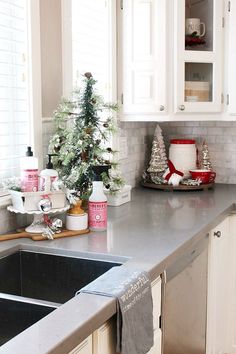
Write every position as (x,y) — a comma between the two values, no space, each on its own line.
(181,187)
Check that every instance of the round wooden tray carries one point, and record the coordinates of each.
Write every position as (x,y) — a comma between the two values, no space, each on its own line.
(181,187)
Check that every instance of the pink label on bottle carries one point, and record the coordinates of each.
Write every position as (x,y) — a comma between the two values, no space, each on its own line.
(43,180)
(98,215)
(29,180)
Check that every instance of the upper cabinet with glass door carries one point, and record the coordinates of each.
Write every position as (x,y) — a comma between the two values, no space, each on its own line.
(142,58)
(198,53)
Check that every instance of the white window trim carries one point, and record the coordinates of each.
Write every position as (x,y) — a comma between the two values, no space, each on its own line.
(67,80)
(34,74)
(35,78)
(67,47)
(66,35)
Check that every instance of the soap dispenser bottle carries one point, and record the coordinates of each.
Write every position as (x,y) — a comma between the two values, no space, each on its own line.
(48,176)
(98,201)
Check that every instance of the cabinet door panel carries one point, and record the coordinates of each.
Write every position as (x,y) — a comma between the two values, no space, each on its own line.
(231,70)
(104,339)
(218,290)
(232,286)
(86,347)
(156,296)
(143,56)
(156,349)
(198,68)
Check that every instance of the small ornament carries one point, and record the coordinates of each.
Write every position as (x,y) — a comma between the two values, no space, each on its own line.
(109,149)
(56,225)
(88,130)
(88,75)
(45,205)
(106,125)
(48,233)
(191,182)
(173,176)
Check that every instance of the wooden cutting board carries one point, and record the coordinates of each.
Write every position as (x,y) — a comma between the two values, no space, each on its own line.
(39,237)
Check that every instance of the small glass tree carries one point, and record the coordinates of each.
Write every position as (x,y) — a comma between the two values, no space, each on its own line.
(81,138)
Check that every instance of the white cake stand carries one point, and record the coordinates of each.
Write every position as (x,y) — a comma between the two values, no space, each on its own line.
(38,225)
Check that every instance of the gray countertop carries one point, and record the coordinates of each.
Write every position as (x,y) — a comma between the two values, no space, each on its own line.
(151,231)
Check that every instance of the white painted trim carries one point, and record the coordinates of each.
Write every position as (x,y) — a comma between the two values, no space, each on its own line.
(47,119)
(35,77)
(66,33)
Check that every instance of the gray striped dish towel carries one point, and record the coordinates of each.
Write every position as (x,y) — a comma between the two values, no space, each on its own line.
(132,290)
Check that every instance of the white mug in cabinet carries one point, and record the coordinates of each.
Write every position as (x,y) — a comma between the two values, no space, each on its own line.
(195,25)
(197,91)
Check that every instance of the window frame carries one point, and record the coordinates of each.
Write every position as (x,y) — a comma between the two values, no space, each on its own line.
(67,78)
(34,82)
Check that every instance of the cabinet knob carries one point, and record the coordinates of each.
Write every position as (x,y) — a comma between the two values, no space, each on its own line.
(217,233)
(181,107)
(162,108)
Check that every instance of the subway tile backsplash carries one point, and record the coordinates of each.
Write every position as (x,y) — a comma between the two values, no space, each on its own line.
(220,136)
(221,139)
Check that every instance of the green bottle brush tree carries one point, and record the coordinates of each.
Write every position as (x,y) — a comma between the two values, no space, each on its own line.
(82,139)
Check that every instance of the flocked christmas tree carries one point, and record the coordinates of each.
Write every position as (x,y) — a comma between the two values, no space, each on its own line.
(205,162)
(81,139)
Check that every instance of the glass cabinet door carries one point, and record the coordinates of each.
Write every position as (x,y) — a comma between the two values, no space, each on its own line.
(198,66)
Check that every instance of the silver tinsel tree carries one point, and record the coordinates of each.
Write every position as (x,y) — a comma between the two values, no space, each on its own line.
(158,161)
(205,162)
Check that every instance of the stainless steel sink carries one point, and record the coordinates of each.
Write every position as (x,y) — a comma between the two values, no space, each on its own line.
(48,277)
(33,284)
(16,316)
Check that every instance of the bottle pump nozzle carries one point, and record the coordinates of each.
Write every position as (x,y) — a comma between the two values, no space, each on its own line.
(49,165)
(98,170)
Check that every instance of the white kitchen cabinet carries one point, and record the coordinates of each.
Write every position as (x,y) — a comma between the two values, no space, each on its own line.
(219,280)
(232,287)
(155,58)
(221,323)
(86,347)
(142,57)
(156,296)
(198,68)
(231,56)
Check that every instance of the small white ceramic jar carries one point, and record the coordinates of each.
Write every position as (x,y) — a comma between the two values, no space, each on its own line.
(76,222)
(183,155)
